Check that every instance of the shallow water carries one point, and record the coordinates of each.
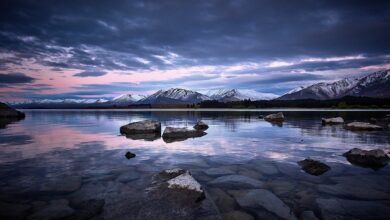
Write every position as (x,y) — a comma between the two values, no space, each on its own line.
(78,155)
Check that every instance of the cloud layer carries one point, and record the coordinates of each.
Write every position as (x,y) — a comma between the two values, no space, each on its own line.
(267,45)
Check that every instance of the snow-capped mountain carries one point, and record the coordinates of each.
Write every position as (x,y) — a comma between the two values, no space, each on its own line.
(376,84)
(126,99)
(174,96)
(227,95)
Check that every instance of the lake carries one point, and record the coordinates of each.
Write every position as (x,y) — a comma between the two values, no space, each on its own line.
(61,162)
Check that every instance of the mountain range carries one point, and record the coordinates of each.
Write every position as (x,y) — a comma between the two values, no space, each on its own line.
(376,85)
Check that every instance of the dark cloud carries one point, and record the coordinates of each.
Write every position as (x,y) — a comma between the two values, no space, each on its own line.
(15,78)
(115,34)
(90,74)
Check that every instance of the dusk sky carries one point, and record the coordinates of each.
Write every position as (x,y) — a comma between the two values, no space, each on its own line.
(100,49)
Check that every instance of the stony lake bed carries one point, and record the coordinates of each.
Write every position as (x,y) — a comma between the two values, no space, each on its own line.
(72,164)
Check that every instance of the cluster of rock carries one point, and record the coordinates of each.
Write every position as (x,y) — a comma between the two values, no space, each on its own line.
(353,126)
(151,130)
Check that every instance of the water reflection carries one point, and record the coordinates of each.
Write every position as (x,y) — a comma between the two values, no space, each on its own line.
(84,151)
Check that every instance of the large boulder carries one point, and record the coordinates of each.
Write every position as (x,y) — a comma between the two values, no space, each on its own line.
(362,126)
(200,125)
(8,112)
(141,127)
(337,120)
(313,167)
(175,194)
(172,134)
(375,159)
(277,117)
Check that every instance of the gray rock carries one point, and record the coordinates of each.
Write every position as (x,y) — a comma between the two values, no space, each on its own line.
(375,159)
(237,215)
(128,176)
(261,198)
(308,215)
(171,134)
(337,120)
(220,171)
(141,127)
(368,187)
(282,186)
(224,202)
(277,117)
(200,125)
(129,155)
(236,181)
(313,167)
(362,126)
(56,209)
(340,209)
(8,112)
(62,185)
(266,168)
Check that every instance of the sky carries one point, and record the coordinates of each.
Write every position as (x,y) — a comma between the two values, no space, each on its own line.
(83,49)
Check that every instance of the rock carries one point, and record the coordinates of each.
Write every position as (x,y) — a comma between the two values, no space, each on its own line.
(88,209)
(185,181)
(128,176)
(141,127)
(261,198)
(260,116)
(8,112)
(145,136)
(220,171)
(308,215)
(373,120)
(171,173)
(277,117)
(237,215)
(13,211)
(282,186)
(313,167)
(265,168)
(65,184)
(224,202)
(129,155)
(180,197)
(362,126)
(374,159)
(200,125)
(236,181)
(366,187)
(339,209)
(55,210)
(171,134)
(337,120)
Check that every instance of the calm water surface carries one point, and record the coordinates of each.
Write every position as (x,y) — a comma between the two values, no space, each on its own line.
(75,156)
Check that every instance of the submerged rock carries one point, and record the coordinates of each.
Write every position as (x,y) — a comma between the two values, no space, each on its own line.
(338,209)
(8,112)
(277,117)
(65,184)
(180,134)
(55,210)
(308,215)
(219,171)
(367,158)
(141,127)
(237,215)
(337,120)
(313,167)
(200,125)
(261,198)
(236,181)
(362,126)
(129,155)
